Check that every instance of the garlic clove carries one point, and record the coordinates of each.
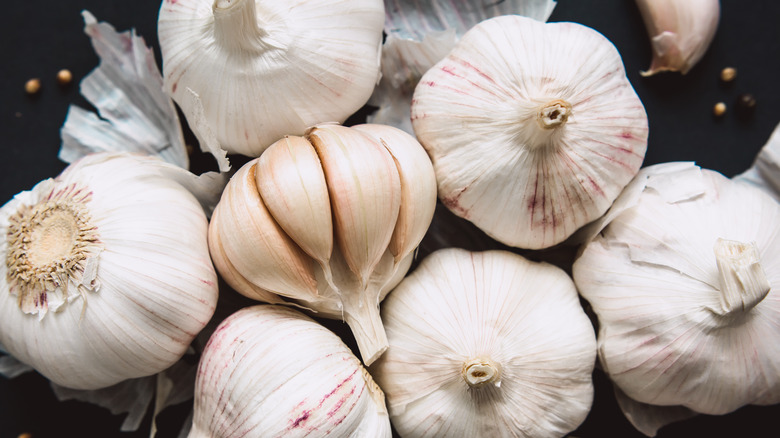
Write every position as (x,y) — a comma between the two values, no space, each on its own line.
(266,256)
(680,32)
(418,186)
(365,194)
(290,169)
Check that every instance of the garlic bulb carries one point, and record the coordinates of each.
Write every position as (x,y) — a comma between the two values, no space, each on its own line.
(106,272)
(271,371)
(486,344)
(684,280)
(680,32)
(533,128)
(265,69)
(329,220)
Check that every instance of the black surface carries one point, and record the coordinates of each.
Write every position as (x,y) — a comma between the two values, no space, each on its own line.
(41,37)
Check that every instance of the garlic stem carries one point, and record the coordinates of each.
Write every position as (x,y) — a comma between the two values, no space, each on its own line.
(554,114)
(366,325)
(235,25)
(743,283)
(480,372)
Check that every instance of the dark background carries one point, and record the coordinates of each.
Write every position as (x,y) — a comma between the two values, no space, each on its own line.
(42,37)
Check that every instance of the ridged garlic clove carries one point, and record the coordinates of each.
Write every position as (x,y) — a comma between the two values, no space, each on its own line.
(680,32)
(271,371)
(533,128)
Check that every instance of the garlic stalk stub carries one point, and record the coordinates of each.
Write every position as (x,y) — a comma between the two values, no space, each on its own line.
(271,371)
(106,272)
(533,128)
(264,69)
(329,221)
(684,281)
(680,32)
(486,344)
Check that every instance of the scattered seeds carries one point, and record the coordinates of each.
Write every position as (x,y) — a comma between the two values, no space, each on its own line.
(32,86)
(719,109)
(64,76)
(728,74)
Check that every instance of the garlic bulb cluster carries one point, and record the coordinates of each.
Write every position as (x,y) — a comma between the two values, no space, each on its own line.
(106,272)
(271,371)
(533,128)
(486,344)
(684,281)
(329,220)
(265,69)
(680,32)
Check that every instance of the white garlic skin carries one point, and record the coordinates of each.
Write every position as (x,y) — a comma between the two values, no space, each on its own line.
(486,344)
(154,290)
(653,280)
(271,371)
(533,128)
(680,32)
(264,69)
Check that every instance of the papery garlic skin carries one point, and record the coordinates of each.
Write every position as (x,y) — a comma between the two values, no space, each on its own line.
(680,32)
(271,371)
(684,281)
(265,69)
(533,128)
(329,221)
(486,344)
(112,279)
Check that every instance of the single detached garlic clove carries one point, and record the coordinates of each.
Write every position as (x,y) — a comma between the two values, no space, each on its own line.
(486,344)
(328,221)
(106,272)
(533,128)
(684,283)
(680,32)
(264,69)
(271,371)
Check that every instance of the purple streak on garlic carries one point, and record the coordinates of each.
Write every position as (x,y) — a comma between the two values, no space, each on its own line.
(533,128)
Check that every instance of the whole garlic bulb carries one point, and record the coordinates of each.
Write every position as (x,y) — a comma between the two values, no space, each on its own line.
(106,272)
(271,371)
(533,128)
(684,280)
(329,220)
(264,69)
(486,344)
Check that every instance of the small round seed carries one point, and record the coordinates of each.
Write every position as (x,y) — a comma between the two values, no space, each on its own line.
(728,74)
(32,86)
(719,109)
(746,102)
(64,76)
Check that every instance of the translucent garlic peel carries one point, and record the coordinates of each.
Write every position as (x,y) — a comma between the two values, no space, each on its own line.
(680,32)
(533,128)
(282,66)
(486,344)
(328,221)
(668,335)
(271,371)
(135,305)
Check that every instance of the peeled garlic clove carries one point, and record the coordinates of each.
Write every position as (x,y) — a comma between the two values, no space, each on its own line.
(533,128)
(271,371)
(264,69)
(676,326)
(680,32)
(486,344)
(106,273)
(264,255)
(365,199)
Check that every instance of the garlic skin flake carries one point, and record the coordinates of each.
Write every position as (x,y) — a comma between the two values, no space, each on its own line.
(680,32)
(271,371)
(486,344)
(329,221)
(685,286)
(264,69)
(106,272)
(533,128)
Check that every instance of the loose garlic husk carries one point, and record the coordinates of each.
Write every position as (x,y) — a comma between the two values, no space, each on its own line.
(329,220)
(265,69)
(106,272)
(486,344)
(533,128)
(680,32)
(684,281)
(271,371)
